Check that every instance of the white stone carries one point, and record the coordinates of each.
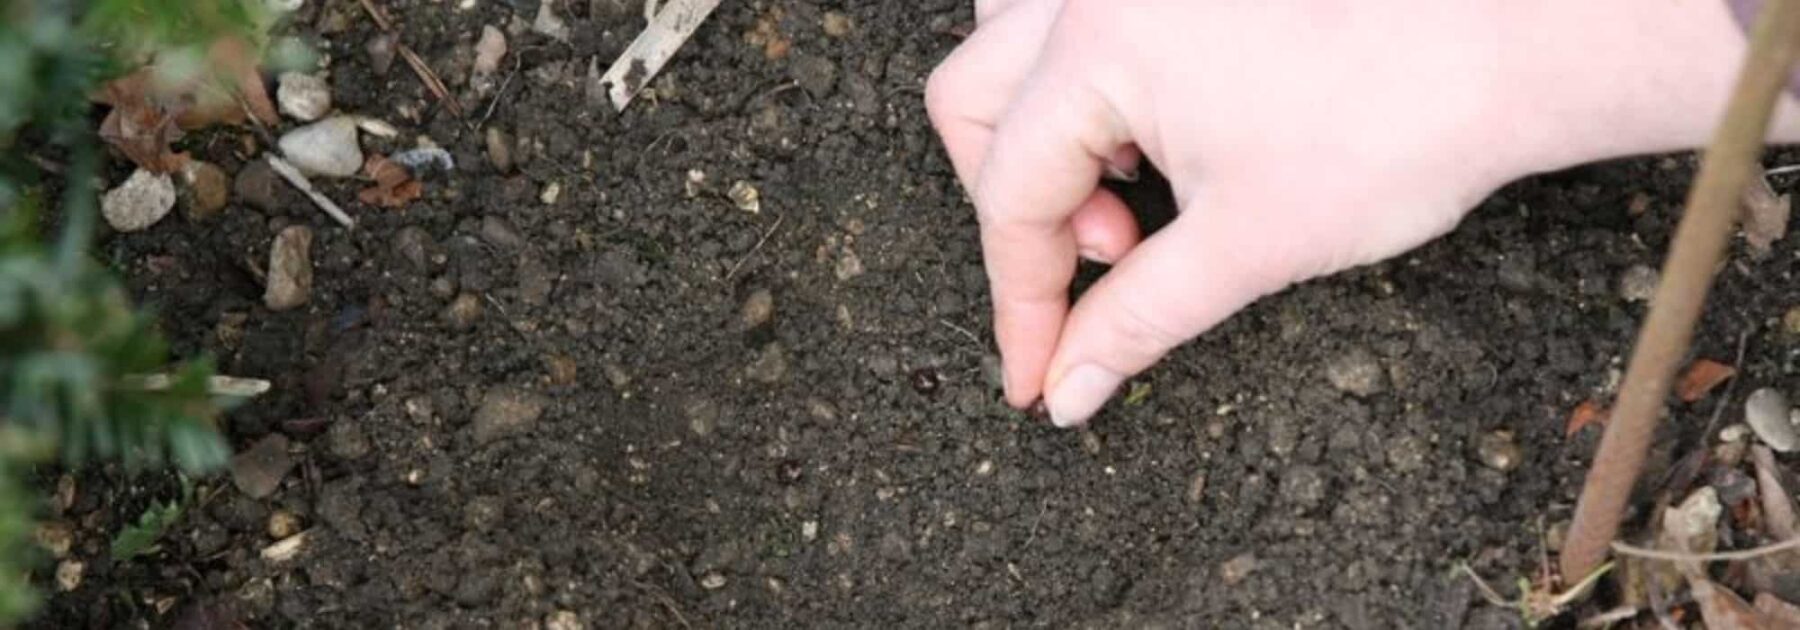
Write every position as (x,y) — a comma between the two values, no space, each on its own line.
(304,97)
(140,202)
(329,147)
(1767,413)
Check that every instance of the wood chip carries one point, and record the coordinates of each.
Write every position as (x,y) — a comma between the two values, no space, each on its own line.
(1701,377)
(652,49)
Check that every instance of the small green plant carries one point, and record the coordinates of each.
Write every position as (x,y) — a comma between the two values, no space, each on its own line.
(140,538)
(74,351)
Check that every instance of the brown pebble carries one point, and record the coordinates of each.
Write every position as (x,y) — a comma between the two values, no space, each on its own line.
(463,311)
(206,190)
(290,269)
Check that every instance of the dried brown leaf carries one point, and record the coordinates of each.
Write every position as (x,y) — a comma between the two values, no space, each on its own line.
(1779,612)
(394,186)
(1701,378)
(1586,413)
(1765,217)
(1722,609)
(137,127)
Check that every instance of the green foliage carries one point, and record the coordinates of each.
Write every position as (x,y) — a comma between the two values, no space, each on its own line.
(72,346)
(140,538)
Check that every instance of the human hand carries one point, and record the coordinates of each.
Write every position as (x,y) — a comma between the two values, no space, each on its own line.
(1301,138)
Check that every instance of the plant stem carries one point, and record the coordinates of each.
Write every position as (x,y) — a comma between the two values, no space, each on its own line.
(1700,241)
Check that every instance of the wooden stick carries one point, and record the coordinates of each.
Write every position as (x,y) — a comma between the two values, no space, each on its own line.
(673,24)
(293,176)
(1700,240)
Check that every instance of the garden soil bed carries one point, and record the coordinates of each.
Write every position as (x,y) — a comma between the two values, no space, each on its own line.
(842,458)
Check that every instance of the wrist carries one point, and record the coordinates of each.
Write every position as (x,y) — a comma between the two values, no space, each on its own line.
(1605,79)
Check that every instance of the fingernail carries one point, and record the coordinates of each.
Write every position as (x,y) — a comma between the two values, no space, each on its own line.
(1081,393)
(1094,255)
(1117,174)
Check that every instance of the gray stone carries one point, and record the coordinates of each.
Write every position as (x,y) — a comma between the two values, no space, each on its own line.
(258,471)
(1638,284)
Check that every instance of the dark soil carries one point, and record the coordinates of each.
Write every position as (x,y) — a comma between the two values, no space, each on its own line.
(848,461)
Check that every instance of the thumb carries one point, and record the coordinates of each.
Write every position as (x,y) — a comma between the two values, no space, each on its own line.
(1181,282)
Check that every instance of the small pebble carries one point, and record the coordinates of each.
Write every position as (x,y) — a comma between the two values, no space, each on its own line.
(712,581)
(256,184)
(68,575)
(745,197)
(758,309)
(1499,451)
(464,311)
(55,537)
(381,53)
(1734,433)
(1357,372)
(499,150)
(547,22)
(286,549)
(258,471)
(1790,321)
(552,192)
(327,148)
(139,202)
(488,52)
(206,190)
(849,265)
(1638,284)
(290,269)
(1766,411)
(304,97)
(283,524)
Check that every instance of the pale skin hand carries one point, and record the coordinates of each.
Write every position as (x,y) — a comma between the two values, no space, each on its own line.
(1301,137)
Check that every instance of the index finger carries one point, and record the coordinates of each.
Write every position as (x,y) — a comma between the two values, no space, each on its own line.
(1045,159)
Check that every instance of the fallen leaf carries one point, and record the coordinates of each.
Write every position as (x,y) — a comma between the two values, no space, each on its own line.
(1586,413)
(1722,609)
(1701,378)
(1765,217)
(1780,613)
(394,186)
(138,128)
(1777,505)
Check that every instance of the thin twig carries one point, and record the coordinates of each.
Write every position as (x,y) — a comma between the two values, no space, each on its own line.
(432,83)
(493,104)
(298,179)
(1782,170)
(1729,165)
(1678,556)
(758,248)
(1608,618)
(963,331)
